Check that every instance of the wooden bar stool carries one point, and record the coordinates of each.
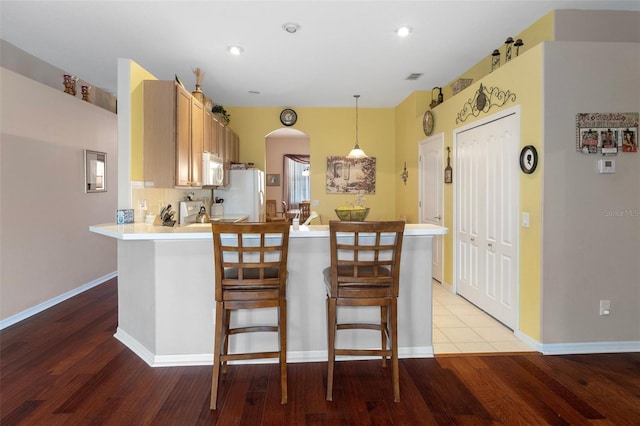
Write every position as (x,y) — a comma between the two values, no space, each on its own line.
(365,271)
(272,214)
(250,264)
(305,210)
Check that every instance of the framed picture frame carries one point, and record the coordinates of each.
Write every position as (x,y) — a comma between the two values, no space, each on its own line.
(273,180)
(347,175)
(95,171)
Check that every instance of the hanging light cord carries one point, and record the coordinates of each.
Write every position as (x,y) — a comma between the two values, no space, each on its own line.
(357,96)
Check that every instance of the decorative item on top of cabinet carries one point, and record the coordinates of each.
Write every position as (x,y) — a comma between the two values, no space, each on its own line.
(85,93)
(70,84)
(221,113)
(495,60)
(198,92)
(208,104)
(460,84)
(507,48)
(435,102)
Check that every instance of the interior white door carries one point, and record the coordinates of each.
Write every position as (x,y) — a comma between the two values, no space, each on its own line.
(431,183)
(487,215)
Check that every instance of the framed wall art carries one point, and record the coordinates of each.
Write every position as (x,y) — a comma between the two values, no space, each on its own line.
(349,175)
(273,180)
(607,133)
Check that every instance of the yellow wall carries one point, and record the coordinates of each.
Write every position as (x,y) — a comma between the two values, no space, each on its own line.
(541,30)
(408,135)
(138,75)
(331,132)
(521,76)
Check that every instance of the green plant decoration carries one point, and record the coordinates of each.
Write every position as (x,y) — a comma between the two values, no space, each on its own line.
(219,109)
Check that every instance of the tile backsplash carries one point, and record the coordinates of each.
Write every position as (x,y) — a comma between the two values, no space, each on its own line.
(152,200)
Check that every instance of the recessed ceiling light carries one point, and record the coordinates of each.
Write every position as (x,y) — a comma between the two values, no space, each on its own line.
(404,31)
(235,50)
(291,27)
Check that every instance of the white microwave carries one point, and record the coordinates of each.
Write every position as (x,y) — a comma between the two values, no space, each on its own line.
(212,170)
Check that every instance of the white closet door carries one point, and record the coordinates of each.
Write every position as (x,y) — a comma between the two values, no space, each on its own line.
(431,186)
(487,216)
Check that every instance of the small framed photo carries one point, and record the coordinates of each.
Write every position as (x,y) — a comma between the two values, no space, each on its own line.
(273,180)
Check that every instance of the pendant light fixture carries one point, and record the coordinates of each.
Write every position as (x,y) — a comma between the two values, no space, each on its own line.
(356,152)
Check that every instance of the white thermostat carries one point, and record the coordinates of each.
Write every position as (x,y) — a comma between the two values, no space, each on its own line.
(607,165)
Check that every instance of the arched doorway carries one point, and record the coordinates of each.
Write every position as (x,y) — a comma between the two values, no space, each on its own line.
(278,144)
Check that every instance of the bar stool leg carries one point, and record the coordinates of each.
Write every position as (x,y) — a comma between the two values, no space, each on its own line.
(282,328)
(226,324)
(393,308)
(331,316)
(384,326)
(217,347)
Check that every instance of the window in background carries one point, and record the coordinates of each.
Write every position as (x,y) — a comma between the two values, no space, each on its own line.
(296,186)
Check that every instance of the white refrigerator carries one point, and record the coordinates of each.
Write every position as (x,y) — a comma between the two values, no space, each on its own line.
(244,195)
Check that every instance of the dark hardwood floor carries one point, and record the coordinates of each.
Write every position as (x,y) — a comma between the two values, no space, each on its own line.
(64,367)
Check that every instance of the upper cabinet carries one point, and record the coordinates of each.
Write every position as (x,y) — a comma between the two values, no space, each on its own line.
(174,136)
(208,132)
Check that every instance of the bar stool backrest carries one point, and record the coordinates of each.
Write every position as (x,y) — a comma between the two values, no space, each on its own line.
(250,260)
(365,258)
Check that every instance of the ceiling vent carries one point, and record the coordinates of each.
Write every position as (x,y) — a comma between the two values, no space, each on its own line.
(414,76)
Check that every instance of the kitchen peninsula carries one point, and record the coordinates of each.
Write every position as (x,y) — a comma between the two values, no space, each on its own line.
(166,308)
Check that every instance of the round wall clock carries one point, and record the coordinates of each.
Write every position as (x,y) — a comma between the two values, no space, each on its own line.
(528,159)
(427,122)
(288,117)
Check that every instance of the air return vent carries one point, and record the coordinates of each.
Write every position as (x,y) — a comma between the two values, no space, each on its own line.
(414,76)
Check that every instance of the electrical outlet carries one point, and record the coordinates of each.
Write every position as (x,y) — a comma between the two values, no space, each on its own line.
(605,307)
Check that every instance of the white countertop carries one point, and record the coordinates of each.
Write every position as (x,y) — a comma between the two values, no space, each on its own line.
(144,231)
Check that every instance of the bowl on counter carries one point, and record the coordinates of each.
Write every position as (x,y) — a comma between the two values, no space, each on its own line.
(352,214)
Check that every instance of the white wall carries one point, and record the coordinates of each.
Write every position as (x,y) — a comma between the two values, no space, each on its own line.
(588,254)
(19,61)
(46,248)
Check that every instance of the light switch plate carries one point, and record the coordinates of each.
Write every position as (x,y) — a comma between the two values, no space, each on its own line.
(525,219)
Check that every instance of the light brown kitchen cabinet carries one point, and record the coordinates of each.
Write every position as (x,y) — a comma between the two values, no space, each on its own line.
(232,146)
(173,135)
(215,125)
(208,131)
(229,149)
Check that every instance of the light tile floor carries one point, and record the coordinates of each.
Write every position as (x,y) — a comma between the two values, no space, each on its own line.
(461,327)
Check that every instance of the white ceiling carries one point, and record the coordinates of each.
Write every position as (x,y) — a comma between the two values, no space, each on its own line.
(343,48)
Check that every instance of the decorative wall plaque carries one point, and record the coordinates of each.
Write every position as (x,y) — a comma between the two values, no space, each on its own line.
(607,132)
(483,100)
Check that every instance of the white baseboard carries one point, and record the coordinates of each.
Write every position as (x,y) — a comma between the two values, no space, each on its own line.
(579,348)
(52,302)
(589,348)
(207,359)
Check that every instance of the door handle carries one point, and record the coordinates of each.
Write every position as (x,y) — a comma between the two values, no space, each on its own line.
(473,239)
(437,217)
